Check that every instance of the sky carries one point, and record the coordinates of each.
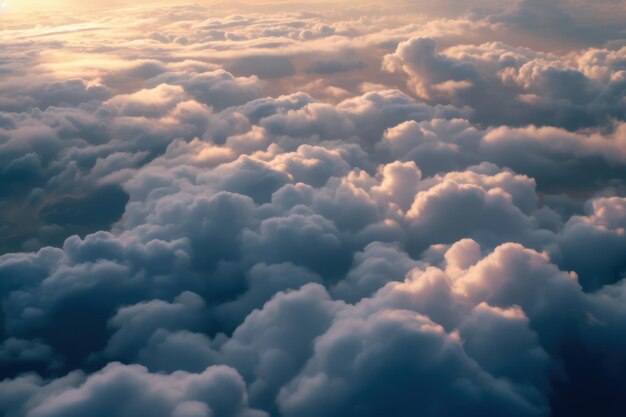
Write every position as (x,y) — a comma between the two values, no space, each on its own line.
(313,209)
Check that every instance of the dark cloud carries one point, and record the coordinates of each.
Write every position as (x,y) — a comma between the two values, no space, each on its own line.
(401,363)
(125,390)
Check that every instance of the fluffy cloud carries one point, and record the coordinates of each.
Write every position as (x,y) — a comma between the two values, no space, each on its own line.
(389,209)
(515,85)
(397,362)
(127,390)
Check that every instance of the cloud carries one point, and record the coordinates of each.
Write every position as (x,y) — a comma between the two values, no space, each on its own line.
(218,89)
(602,229)
(333,66)
(263,211)
(124,390)
(554,157)
(513,85)
(272,344)
(136,323)
(262,66)
(390,338)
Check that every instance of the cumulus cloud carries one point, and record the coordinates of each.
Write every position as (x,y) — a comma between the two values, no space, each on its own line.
(515,85)
(126,390)
(260,210)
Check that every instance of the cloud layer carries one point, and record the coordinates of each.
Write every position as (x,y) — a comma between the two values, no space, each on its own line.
(296,210)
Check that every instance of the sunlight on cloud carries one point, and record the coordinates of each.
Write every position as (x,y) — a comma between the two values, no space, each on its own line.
(312,208)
